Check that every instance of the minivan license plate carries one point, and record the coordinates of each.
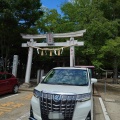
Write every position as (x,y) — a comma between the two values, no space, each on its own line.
(55,115)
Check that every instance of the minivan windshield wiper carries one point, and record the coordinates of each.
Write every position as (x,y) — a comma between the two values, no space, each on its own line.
(86,84)
(65,84)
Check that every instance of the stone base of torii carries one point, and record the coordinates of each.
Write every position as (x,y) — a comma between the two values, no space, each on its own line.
(50,43)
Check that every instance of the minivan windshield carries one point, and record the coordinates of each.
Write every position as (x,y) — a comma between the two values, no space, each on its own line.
(76,77)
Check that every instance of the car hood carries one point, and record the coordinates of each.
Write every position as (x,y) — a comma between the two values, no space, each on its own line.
(63,89)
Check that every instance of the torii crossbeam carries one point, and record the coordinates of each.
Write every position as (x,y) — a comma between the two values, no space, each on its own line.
(31,44)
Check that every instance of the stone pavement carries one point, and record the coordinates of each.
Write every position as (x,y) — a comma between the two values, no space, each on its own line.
(110,94)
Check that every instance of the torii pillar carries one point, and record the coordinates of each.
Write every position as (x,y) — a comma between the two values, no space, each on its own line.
(29,62)
(33,43)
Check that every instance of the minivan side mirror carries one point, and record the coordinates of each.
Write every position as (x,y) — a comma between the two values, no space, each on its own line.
(93,80)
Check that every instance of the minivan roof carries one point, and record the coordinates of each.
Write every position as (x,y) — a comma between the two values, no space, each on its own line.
(85,66)
(70,68)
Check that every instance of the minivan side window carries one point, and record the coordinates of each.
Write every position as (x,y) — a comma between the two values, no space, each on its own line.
(90,73)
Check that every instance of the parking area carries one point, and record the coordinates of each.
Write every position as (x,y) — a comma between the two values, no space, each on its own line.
(15,106)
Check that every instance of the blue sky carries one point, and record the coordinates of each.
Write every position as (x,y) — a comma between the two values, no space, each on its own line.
(52,4)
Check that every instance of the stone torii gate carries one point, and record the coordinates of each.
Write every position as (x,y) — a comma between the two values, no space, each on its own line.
(33,44)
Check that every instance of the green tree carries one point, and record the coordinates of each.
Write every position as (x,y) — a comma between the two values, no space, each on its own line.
(100,18)
(112,49)
(110,8)
(16,17)
(27,12)
(49,21)
(84,14)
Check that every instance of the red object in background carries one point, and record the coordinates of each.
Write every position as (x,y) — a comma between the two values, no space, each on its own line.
(8,83)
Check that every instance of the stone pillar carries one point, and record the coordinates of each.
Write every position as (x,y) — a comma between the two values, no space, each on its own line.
(15,64)
(72,53)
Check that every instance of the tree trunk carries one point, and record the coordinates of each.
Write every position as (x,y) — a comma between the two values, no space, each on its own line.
(115,70)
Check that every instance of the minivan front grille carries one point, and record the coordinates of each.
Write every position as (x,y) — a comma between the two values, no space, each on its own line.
(60,103)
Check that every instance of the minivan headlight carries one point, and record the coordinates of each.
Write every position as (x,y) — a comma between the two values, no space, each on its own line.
(36,93)
(83,97)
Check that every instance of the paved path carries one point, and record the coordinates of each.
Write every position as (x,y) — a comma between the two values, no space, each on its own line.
(111,98)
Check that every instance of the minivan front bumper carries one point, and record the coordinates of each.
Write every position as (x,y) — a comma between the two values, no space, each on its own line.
(81,110)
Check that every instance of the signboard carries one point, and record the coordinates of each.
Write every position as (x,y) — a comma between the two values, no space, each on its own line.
(49,38)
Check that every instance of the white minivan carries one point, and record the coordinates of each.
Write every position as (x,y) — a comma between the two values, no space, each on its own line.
(65,93)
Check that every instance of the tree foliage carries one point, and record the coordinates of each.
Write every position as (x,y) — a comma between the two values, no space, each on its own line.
(111,50)
(16,17)
(101,19)
(49,22)
(27,12)
(86,15)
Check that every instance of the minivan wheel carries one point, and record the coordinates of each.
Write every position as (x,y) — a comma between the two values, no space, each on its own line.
(15,89)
